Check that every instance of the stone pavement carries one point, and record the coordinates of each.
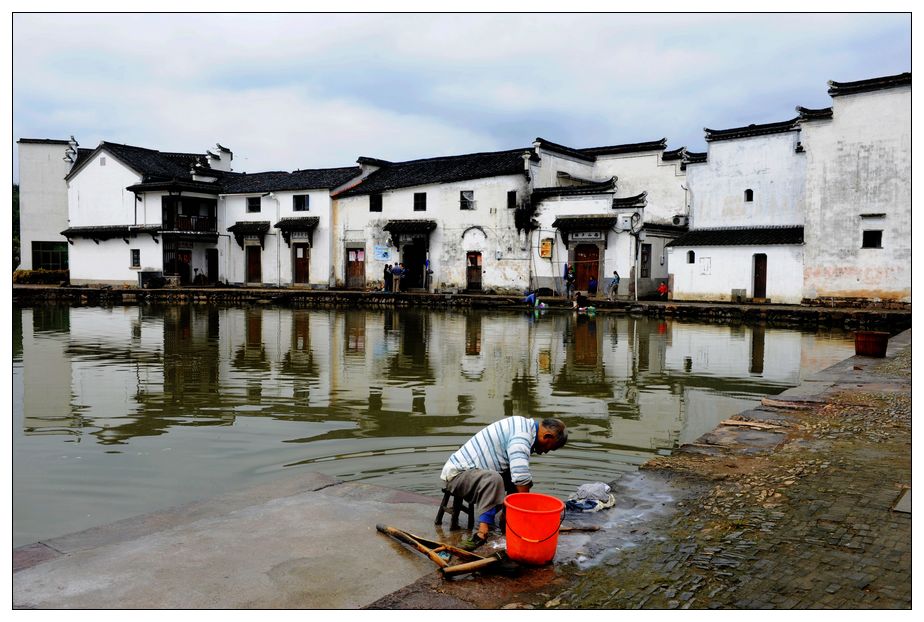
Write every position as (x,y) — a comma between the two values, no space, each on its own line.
(793,512)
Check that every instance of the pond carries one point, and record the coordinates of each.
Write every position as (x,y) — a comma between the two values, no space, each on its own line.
(126,410)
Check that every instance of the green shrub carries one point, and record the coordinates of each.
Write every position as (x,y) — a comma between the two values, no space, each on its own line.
(41,277)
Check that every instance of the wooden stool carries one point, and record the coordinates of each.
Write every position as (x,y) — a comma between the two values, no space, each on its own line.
(459,504)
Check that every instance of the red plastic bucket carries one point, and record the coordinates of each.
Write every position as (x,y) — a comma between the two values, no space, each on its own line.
(532,521)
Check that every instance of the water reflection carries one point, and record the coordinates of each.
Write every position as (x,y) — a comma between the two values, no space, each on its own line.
(126,410)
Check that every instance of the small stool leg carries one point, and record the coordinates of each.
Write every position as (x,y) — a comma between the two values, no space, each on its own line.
(456,508)
(444,505)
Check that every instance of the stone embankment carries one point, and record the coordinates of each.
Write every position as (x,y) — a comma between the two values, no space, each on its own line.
(809,316)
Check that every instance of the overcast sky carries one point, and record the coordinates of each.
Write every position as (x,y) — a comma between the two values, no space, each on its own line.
(289,91)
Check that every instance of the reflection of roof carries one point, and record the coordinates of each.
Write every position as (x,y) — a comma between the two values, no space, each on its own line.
(440,170)
(837,89)
(752,130)
(741,236)
(589,221)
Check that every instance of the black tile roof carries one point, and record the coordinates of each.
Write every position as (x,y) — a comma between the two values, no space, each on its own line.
(44,141)
(814,114)
(206,187)
(275,181)
(676,154)
(589,221)
(410,226)
(300,223)
(741,236)
(440,170)
(108,232)
(152,165)
(575,153)
(752,130)
(601,187)
(250,227)
(639,200)
(836,89)
(694,157)
(653,145)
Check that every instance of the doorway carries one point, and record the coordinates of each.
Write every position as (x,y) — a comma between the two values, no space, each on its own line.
(300,254)
(211,265)
(254,264)
(415,258)
(587,265)
(473,271)
(355,268)
(760,275)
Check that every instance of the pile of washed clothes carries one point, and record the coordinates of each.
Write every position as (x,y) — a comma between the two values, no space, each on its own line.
(591,498)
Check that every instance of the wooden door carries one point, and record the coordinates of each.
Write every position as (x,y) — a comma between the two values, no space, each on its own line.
(587,264)
(300,253)
(211,264)
(473,271)
(760,275)
(355,268)
(254,267)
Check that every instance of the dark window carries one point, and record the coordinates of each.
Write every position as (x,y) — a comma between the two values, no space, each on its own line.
(467,199)
(300,202)
(748,195)
(872,239)
(253,204)
(136,257)
(691,257)
(645,272)
(511,199)
(420,201)
(375,202)
(49,256)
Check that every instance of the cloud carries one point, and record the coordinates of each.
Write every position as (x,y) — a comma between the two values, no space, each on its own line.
(315,90)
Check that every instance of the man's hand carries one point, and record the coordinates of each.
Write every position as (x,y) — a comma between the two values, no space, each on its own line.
(524,487)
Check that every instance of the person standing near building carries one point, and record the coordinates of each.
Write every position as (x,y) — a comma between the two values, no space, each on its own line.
(569,281)
(386,281)
(614,286)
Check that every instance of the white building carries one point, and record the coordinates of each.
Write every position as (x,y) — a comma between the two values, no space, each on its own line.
(747,218)
(43,164)
(449,220)
(858,192)
(817,208)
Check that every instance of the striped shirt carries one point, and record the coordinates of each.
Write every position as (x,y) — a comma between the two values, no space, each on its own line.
(505,444)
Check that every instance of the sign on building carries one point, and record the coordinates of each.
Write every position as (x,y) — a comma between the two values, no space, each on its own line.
(381,253)
(586,235)
(545,248)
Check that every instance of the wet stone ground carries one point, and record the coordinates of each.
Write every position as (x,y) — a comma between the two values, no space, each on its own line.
(792,511)
(806,524)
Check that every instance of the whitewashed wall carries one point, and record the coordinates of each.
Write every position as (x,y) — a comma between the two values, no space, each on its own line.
(97,194)
(505,254)
(768,165)
(859,162)
(42,196)
(109,262)
(719,269)
(645,172)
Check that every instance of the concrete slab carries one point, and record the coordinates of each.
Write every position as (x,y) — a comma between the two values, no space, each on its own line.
(316,547)
(904,502)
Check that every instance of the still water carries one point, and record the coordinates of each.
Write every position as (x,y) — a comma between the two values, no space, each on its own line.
(122,411)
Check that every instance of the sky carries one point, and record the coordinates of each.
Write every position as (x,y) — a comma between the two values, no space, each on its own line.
(319,90)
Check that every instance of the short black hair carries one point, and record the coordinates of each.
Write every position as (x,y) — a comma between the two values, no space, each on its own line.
(557,427)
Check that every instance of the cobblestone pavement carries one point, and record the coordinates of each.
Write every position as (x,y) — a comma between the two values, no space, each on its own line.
(789,507)
(808,524)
